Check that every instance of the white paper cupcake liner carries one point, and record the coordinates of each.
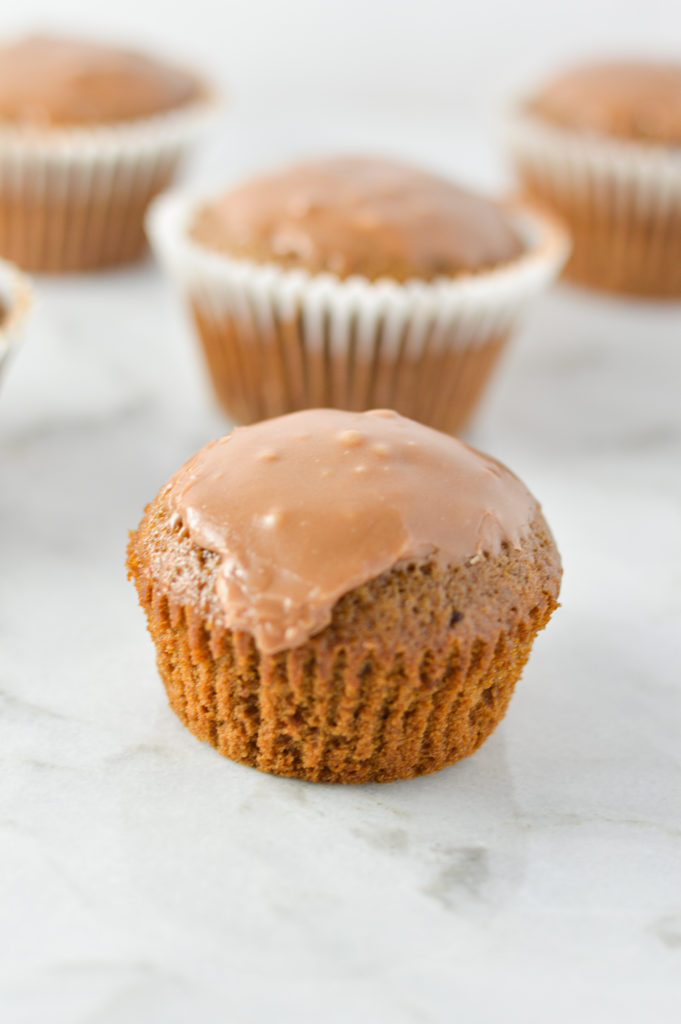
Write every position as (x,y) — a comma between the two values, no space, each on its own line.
(621,200)
(75,198)
(15,301)
(279,339)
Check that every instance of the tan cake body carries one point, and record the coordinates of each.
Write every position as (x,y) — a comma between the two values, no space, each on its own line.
(599,145)
(353,282)
(89,134)
(343,597)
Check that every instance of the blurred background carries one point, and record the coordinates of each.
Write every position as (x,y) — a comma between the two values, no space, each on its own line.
(426,79)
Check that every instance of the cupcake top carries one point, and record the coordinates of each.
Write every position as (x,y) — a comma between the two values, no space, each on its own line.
(304,508)
(47,81)
(351,215)
(633,100)
(15,301)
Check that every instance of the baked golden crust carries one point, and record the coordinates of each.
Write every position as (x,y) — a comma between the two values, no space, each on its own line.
(414,671)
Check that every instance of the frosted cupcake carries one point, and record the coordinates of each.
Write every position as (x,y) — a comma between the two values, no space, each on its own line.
(601,146)
(15,301)
(89,134)
(354,283)
(343,597)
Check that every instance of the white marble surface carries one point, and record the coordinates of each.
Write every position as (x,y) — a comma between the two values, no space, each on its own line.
(143,878)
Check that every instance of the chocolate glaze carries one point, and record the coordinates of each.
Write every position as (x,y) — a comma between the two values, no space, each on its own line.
(351,215)
(51,81)
(304,508)
(627,99)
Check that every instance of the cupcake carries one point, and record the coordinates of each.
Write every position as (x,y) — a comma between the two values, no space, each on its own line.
(601,146)
(353,283)
(15,300)
(89,135)
(343,597)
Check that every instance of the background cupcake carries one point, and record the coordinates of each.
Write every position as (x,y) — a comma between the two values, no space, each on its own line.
(601,146)
(15,299)
(89,134)
(353,283)
(343,597)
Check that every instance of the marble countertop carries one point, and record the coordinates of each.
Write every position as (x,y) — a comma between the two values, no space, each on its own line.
(144,878)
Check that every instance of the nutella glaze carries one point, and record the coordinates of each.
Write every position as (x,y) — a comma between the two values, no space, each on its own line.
(366,216)
(48,81)
(626,99)
(304,508)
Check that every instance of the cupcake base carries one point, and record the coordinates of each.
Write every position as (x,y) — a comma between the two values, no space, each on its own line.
(260,375)
(621,202)
(413,673)
(628,254)
(641,259)
(15,302)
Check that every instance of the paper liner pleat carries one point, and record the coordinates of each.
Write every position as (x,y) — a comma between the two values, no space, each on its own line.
(344,715)
(15,301)
(75,199)
(620,200)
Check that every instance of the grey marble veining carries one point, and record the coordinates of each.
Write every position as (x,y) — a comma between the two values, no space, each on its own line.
(145,878)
